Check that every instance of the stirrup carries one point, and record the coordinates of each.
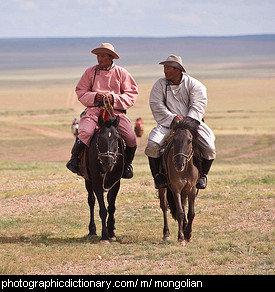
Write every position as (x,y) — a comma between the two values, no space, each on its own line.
(73,165)
(202,182)
(128,171)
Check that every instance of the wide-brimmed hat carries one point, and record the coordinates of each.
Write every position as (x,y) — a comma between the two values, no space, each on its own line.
(174,61)
(106,48)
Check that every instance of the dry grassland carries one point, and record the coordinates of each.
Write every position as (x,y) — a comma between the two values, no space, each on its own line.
(43,207)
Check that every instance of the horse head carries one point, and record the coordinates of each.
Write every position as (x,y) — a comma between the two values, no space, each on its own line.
(107,143)
(182,148)
(183,142)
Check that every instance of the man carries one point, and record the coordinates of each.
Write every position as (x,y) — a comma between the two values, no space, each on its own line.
(173,98)
(114,82)
(75,127)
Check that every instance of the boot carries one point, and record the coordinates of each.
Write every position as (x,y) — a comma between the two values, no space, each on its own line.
(202,181)
(73,163)
(129,156)
(159,178)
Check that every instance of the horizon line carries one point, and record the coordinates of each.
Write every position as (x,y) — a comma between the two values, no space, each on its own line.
(139,37)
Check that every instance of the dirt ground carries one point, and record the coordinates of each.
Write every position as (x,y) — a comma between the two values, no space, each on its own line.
(44,212)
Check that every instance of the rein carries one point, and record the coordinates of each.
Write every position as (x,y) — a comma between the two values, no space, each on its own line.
(107,154)
(106,112)
(108,107)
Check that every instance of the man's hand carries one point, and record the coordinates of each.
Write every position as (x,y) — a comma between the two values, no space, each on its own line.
(111,98)
(99,97)
(175,121)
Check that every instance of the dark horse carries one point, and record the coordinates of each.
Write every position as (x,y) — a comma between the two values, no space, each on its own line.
(104,161)
(181,161)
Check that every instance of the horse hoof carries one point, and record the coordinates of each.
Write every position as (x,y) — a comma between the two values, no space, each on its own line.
(92,235)
(182,242)
(104,241)
(112,238)
(166,238)
(187,238)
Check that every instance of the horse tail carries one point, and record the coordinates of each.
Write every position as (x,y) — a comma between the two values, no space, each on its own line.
(171,203)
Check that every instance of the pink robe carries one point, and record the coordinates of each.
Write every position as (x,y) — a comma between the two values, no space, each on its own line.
(121,85)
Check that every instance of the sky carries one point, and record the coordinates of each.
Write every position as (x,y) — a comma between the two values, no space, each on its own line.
(135,18)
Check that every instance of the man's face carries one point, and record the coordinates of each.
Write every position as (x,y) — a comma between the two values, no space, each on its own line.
(171,73)
(104,60)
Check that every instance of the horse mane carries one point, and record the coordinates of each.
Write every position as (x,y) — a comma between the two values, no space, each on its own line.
(191,125)
(108,123)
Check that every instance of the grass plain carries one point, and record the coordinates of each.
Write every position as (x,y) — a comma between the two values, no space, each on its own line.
(43,207)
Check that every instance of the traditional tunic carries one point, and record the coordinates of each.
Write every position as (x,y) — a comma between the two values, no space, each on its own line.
(188,99)
(121,85)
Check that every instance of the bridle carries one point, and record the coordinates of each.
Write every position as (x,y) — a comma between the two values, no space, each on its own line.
(107,154)
(187,156)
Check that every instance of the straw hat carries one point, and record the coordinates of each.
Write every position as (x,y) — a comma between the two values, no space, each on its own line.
(106,48)
(174,61)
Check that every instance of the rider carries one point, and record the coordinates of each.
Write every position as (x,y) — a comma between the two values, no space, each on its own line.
(75,121)
(172,98)
(75,126)
(105,80)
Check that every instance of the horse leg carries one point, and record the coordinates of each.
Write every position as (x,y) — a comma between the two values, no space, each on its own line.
(190,215)
(102,214)
(91,202)
(180,215)
(111,197)
(164,208)
(183,203)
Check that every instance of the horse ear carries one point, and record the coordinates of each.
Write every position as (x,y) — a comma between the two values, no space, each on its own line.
(100,120)
(116,121)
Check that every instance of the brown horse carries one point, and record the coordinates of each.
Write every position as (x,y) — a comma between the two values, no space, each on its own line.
(139,128)
(181,161)
(104,162)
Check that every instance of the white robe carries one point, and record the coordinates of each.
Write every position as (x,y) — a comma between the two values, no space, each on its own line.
(189,98)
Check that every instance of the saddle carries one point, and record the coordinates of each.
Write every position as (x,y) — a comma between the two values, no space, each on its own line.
(164,153)
(82,164)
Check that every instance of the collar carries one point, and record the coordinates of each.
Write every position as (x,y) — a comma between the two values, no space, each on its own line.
(105,69)
(168,82)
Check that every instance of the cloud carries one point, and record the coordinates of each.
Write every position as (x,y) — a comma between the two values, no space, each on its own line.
(28,5)
(108,7)
(87,2)
(188,19)
(42,18)
(112,2)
